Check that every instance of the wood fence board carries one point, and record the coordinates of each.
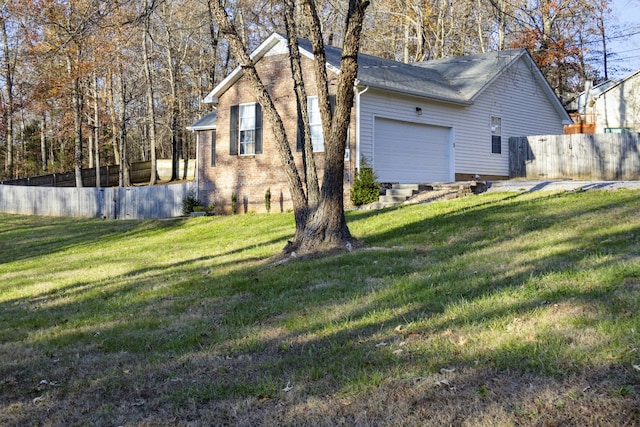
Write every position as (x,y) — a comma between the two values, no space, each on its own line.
(576,156)
(161,201)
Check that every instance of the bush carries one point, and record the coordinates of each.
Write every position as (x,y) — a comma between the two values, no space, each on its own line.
(267,200)
(365,189)
(234,203)
(190,203)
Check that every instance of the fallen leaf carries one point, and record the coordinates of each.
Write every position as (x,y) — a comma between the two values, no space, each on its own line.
(443,382)
(288,388)
(447,371)
(382,344)
(38,399)
(636,367)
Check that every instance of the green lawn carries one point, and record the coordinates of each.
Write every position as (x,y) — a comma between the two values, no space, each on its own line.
(498,309)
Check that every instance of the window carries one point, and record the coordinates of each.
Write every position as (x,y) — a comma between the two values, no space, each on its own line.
(246,129)
(496,135)
(315,124)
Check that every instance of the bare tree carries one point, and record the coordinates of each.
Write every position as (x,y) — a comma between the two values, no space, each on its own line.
(8,95)
(323,226)
(151,109)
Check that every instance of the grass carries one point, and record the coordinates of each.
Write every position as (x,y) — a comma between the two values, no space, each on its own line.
(499,309)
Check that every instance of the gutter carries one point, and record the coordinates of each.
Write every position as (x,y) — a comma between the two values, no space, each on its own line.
(358,119)
(444,100)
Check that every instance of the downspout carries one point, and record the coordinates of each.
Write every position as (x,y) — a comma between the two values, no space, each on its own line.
(197,165)
(358,120)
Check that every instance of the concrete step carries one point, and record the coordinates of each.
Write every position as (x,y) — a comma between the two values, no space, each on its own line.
(402,192)
(392,199)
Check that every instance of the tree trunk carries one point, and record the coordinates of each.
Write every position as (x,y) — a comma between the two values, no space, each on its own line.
(123,177)
(327,227)
(151,110)
(43,142)
(324,227)
(96,130)
(8,76)
(114,118)
(236,46)
(77,122)
(214,43)
(173,83)
(311,174)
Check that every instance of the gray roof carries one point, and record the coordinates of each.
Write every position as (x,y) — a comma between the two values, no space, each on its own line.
(394,75)
(206,122)
(458,79)
(470,74)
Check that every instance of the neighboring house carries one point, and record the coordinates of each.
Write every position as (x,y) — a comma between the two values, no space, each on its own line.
(611,107)
(434,121)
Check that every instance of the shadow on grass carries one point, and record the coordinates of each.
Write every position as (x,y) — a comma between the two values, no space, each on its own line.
(22,239)
(429,317)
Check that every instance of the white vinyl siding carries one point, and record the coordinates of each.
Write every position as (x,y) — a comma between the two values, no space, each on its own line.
(514,97)
(619,107)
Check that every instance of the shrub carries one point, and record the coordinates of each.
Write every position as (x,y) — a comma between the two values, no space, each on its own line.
(234,203)
(267,200)
(365,189)
(190,203)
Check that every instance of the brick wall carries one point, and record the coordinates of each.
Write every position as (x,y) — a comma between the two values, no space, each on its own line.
(249,177)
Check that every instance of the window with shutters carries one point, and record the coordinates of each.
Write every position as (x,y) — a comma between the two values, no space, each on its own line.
(496,135)
(246,129)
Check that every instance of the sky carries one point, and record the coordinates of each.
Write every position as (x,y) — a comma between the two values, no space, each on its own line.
(627,50)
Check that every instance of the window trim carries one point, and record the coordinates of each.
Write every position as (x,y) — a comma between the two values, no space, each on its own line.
(235,132)
(496,134)
(318,145)
(299,139)
(248,106)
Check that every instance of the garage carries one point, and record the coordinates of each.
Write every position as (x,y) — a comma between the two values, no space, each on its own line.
(411,153)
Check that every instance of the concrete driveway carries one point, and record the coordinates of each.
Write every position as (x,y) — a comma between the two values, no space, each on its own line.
(518,185)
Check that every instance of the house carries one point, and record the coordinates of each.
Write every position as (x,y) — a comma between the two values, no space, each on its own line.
(611,107)
(434,121)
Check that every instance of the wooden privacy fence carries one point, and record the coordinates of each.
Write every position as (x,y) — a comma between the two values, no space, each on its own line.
(139,173)
(579,156)
(162,201)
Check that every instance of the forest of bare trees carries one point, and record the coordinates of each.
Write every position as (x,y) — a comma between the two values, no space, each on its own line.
(94,82)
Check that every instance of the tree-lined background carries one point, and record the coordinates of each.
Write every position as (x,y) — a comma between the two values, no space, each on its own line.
(94,82)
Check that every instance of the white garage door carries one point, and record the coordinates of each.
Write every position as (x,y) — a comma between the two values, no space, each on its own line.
(411,153)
